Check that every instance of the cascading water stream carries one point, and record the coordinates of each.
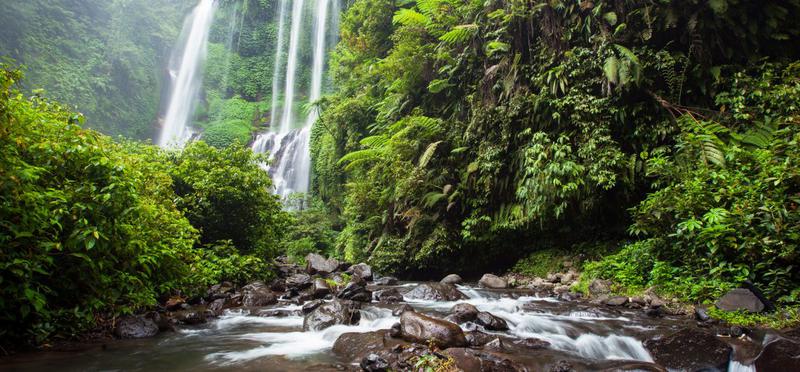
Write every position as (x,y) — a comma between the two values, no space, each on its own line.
(185,67)
(289,147)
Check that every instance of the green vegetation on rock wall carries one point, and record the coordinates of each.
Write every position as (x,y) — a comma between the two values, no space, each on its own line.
(104,58)
(465,135)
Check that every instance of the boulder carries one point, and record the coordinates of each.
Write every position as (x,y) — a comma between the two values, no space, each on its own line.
(217,306)
(332,313)
(391,295)
(385,280)
(220,290)
(483,360)
(311,305)
(258,294)
(478,338)
(495,345)
(320,288)
(355,292)
(617,301)
(419,328)
(298,282)
(562,366)
(354,345)
(701,314)
(316,264)
(190,317)
(740,299)
(779,355)
(361,270)
(135,326)
(690,349)
(451,279)
(599,287)
(279,313)
(278,285)
(491,322)
(435,292)
(492,281)
(462,313)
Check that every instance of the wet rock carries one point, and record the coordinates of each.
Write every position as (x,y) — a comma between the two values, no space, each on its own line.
(311,305)
(163,322)
(780,355)
(617,301)
(332,313)
(423,329)
(217,306)
(258,294)
(653,312)
(190,317)
(355,292)
(396,331)
(400,310)
(492,281)
(391,295)
(320,288)
(553,278)
(478,338)
(690,349)
(491,322)
(792,333)
(495,345)
(374,363)
(278,285)
(451,279)
(532,343)
(361,270)
(562,366)
(351,346)
(463,312)
(298,282)
(701,314)
(740,299)
(435,292)
(135,326)
(599,287)
(316,264)
(385,280)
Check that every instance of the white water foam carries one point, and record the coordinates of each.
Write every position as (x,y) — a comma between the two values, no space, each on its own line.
(301,344)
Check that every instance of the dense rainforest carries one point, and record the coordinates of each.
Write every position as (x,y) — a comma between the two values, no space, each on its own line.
(650,143)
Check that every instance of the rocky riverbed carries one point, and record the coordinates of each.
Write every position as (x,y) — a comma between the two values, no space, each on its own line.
(330,316)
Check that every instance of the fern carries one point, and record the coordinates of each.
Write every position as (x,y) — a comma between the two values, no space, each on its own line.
(409,17)
(357,157)
(426,156)
(459,34)
(432,198)
(438,85)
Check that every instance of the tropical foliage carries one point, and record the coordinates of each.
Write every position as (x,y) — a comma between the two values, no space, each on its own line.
(467,132)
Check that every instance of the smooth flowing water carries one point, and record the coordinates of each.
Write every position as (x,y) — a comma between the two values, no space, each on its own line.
(289,137)
(186,73)
(589,337)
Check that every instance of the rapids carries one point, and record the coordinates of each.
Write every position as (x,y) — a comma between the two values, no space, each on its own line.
(587,336)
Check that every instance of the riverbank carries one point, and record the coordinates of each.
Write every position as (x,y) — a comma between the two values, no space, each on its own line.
(334,316)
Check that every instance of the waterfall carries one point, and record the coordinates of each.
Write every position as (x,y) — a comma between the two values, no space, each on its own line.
(287,145)
(276,72)
(291,65)
(185,67)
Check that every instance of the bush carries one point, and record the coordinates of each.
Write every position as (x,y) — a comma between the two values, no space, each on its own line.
(226,194)
(222,135)
(220,262)
(88,227)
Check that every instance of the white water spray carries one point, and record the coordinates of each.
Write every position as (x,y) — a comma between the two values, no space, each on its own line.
(187,75)
(276,72)
(291,66)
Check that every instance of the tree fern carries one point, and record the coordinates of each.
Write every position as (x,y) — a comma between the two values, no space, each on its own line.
(357,157)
